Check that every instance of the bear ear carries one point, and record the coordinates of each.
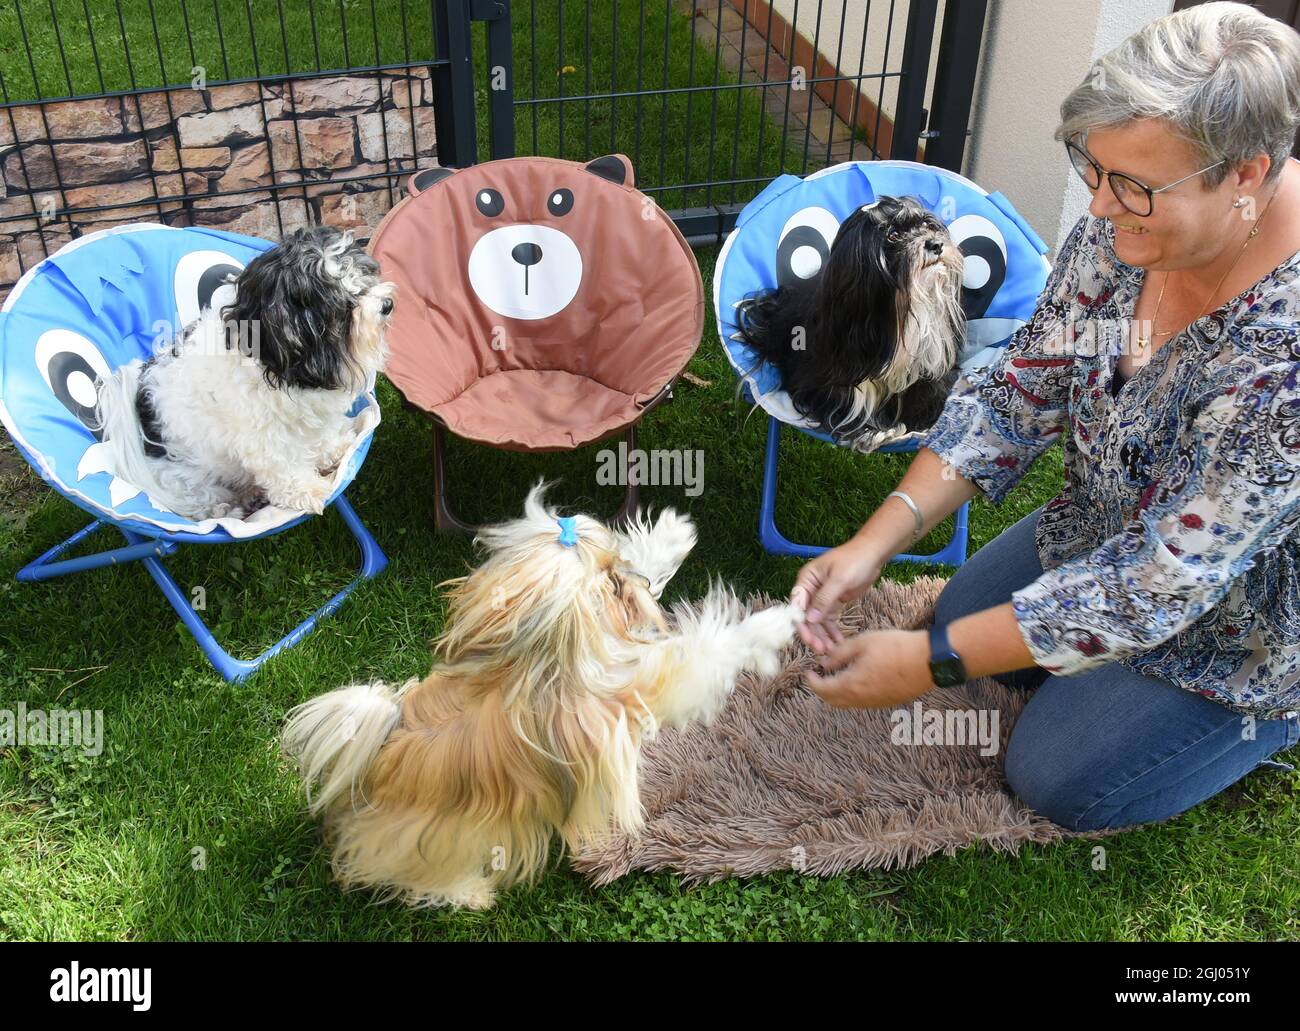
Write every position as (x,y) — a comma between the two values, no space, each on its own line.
(614,167)
(421,181)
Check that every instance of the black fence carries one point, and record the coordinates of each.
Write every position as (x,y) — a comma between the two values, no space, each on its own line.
(115,110)
(932,129)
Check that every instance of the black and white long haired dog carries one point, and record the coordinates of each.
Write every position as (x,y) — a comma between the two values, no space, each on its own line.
(249,405)
(867,348)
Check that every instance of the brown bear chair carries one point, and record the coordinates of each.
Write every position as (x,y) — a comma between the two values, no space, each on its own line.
(542,305)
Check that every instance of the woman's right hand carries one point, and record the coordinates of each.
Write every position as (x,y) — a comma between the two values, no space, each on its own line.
(825,584)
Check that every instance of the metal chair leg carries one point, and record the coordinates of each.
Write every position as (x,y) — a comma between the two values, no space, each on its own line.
(776,543)
(445,520)
(632,495)
(150,552)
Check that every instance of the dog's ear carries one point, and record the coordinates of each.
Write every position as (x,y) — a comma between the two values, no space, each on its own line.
(293,318)
(860,290)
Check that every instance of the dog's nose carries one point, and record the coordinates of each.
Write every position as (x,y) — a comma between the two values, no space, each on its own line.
(934,248)
(526,253)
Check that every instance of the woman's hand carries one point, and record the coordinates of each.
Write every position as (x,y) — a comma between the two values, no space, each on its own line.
(825,584)
(874,670)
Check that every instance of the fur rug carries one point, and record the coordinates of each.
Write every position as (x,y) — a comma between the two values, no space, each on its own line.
(783,781)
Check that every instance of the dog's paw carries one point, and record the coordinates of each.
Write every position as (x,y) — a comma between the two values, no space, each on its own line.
(872,440)
(309,498)
(328,463)
(252,500)
(674,537)
(676,531)
(475,894)
(657,551)
(766,634)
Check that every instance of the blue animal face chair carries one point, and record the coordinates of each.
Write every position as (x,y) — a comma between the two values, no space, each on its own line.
(787,231)
(100,302)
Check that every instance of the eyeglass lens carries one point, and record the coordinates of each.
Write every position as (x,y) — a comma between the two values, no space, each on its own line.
(1129,192)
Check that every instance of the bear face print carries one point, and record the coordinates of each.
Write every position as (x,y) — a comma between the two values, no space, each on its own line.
(528,234)
(525,271)
(540,301)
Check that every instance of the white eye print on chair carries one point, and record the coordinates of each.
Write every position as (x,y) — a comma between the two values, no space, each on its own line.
(203,279)
(805,244)
(985,266)
(985,270)
(72,367)
(525,271)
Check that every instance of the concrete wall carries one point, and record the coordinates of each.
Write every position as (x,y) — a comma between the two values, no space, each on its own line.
(1035,52)
(884,43)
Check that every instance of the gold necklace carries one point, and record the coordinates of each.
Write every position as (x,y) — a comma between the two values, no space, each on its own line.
(1143,343)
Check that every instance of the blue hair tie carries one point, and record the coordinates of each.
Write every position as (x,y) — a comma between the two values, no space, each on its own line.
(568,531)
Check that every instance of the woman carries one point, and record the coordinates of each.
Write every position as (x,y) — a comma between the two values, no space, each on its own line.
(1153,606)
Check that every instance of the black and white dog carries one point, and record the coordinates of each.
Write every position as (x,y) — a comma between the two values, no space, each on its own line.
(249,404)
(868,348)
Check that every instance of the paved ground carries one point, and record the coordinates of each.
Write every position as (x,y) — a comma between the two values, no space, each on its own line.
(764,64)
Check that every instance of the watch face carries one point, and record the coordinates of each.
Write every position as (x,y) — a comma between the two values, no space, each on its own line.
(947,672)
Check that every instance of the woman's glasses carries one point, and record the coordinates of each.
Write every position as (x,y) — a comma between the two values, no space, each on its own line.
(1136,197)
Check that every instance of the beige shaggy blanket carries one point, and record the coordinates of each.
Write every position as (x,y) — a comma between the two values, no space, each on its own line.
(783,781)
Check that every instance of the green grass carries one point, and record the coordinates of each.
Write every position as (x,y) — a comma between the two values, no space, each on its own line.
(106,848)
(110,44)
(190,825)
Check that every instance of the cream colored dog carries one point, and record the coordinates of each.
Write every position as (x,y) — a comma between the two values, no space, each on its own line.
(556,665)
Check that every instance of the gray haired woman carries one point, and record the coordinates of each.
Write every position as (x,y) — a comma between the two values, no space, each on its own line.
(1153,606)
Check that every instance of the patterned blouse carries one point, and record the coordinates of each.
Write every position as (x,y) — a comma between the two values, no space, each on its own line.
(1174,546)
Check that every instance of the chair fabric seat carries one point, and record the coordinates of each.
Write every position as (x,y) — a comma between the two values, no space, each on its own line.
(539,410)
(542,304)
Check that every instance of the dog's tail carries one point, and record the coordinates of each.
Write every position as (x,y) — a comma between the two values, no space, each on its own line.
(117,420)
(335,737)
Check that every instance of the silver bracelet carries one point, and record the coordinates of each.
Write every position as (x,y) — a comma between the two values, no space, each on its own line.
(916,513)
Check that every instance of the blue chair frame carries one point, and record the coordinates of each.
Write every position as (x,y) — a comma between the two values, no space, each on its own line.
(776,543)
(151,551)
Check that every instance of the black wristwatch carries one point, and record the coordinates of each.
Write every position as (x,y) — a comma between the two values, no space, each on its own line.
(946,669)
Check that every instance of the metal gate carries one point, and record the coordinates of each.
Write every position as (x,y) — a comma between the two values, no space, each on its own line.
(788,64)
(262,115)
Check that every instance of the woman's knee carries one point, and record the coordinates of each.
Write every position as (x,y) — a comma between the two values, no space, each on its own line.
(1175,750)
(1053,790)
(1058,760)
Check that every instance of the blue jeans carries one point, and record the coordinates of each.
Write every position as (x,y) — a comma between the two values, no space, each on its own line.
(1109,747)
